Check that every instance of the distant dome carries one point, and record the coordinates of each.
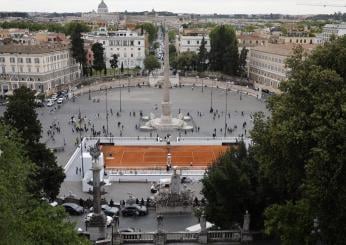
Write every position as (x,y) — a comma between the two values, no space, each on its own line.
(102,8)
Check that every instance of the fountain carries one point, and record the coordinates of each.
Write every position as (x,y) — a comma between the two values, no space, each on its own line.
(166,122)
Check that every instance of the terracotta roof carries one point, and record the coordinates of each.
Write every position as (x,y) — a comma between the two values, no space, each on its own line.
(32,49)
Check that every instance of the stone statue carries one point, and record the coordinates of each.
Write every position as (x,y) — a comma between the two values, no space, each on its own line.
(246,224)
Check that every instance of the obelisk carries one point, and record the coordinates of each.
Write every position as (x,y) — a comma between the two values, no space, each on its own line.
(166,117)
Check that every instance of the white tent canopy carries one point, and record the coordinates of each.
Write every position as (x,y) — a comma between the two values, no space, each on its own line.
(197,228)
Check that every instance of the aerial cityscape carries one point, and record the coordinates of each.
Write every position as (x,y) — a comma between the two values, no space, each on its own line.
(168,122)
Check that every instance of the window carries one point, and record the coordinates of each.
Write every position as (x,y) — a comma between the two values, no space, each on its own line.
(2,59)
(28,60)
(188,42)
(12,60)
(13,69)
(20,60)
(139,42)
(197,42)
(131,43)
(4,69)
(139,49)
(131,55)
(37,60)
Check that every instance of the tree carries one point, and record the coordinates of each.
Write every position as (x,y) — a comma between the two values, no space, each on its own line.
(230,186)
(151,30)
(23,219)
(294,219)
(187,61)
(151,63)
(99,61)
(242,61)
(202,56)
(114,62)
(173,56)
(122,68)
(171,36)
(301,148)
(21,114)
(224,50)
(77,46)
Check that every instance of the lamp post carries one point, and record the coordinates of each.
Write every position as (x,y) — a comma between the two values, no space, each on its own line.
(81,142)
(202,85)
(211,96)
(197,77)
(119,96)
(128,75)
(227,83)
(106,111)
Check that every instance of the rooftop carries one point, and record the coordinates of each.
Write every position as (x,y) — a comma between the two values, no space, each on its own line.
(282,49)
(32,49)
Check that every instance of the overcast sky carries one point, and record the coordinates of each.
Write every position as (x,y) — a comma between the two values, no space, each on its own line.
(179,6)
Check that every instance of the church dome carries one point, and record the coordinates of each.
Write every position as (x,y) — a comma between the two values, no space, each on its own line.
(102,8)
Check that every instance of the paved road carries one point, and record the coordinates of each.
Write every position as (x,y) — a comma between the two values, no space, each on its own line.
(147,100)
(186,99)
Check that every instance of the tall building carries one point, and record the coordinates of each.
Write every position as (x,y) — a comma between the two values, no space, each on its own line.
(102,8)
(127,45)
(329,30)
(267,65)
(191,43)
(44,68)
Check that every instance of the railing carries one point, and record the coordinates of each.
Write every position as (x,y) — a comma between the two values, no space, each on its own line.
(153,140)
(181,237)
(137,237)
(126,171)
(232,235)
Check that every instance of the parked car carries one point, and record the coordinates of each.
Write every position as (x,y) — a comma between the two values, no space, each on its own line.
(50,103)
(60,100)
(134,210)
(108,221)
(111,211)
(73,209)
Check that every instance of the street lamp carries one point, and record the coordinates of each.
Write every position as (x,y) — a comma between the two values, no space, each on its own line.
(227,83)
(211,96)
(202,85)
(106,111)
(128,75)
(119,96)
(81,142)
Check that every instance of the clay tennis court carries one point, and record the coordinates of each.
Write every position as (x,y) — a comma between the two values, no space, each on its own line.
(135,157)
